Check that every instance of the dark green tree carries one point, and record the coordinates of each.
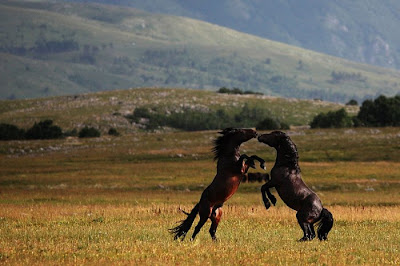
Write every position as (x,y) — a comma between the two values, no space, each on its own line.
(332,119)
(113,132)
(383,111)
(268,124)
(89,132)
(352,102)
(44,130)
(11,132)
(248,117)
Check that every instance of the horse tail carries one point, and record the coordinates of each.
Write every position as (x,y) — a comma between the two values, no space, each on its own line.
(181,230)
(325,225)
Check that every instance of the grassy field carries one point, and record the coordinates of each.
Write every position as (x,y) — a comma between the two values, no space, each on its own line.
(111,201)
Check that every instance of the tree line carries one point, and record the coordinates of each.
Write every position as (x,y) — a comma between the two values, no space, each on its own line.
(194,120)
(47,130)
(341,76)
(44,47)
(381,112)
(237,91)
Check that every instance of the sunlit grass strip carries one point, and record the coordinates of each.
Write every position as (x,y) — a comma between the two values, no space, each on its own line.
(44,233)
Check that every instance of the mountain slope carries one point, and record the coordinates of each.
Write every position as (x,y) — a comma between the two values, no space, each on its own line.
(357,30)
(69,48)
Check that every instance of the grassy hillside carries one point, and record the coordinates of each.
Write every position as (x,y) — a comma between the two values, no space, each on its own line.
(111,201)
(66,48)
(355,30)
(108,109)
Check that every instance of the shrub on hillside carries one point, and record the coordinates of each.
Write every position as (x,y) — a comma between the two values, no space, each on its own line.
(71,133)
(89,132)
(44,130)
(113,132)
(352,102)
(270,124)
(11,132)
(138,114)
(237,91)
(192,120)
(248,117)
(224,90)
(141,112)
(332,119)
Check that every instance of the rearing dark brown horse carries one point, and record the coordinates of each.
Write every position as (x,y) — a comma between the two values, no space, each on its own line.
(231,166)
(286,178)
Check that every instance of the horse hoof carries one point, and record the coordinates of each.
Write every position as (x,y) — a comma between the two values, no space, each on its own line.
(304,238)
(323,237)
(273,200)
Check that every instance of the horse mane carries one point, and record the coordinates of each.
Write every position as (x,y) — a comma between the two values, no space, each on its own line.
(220,141)
(290,153)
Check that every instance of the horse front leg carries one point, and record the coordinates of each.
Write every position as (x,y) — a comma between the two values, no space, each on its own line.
(265,192)
(260,160)
(215,218)
(245,165)
(249,161)
(271,197)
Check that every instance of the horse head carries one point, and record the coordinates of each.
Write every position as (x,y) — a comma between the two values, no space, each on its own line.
(285,147)
(231,139)
(239,135)
(273,139)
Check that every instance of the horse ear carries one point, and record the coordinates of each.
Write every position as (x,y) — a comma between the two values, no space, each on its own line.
(280,134)
(226,130)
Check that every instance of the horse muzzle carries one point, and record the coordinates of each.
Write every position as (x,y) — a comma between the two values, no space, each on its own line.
(265,138)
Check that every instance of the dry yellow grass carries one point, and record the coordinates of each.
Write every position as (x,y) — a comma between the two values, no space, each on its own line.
(60,233)
(111,201)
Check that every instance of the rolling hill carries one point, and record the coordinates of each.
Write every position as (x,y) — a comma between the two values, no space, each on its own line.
(63,48)
(104,110)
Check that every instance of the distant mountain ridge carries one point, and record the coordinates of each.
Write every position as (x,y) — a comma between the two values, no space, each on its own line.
(358,30)
(64,48)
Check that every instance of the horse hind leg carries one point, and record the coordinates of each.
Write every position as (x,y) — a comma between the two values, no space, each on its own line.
(306,226)
(325,224)
(271,197)
(264,192)
(215,218)
(313,235)
(204,213)
(308,215)
(307,231)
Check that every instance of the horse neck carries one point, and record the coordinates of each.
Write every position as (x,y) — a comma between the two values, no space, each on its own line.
(287,156)
(228,158)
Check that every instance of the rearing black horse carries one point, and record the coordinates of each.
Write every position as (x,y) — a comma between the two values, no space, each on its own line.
(286,178)
(231,167)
